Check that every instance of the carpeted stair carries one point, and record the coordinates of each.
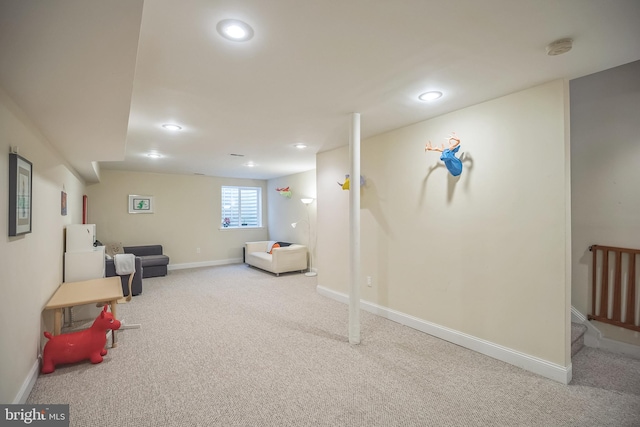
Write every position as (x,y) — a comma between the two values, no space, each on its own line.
(577,337)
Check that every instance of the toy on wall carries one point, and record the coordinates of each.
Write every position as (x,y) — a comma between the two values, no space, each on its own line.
(453,164)
(346,184)
(78,346)
(285,191)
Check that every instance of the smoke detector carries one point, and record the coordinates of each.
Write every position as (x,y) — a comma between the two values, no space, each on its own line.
(559,47)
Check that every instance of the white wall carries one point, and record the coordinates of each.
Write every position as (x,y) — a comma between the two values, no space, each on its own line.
(187,216)
(31,264)
(283,211)
(484,254)
(605,153)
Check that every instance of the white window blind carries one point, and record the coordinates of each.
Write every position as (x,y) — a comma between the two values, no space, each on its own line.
(241,207)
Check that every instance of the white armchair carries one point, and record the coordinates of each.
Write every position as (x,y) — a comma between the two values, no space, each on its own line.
(280,260)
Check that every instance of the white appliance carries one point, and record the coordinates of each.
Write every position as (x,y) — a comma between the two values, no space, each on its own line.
(80,237)
(82,260)
(79,266)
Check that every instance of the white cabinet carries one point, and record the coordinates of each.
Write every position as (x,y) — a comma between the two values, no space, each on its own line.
(80,237)
(79,266)
(82,261)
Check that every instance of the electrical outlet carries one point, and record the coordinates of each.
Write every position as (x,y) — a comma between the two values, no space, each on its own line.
(369,281)
(197,250)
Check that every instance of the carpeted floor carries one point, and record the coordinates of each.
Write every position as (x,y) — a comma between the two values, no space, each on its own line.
(234,346)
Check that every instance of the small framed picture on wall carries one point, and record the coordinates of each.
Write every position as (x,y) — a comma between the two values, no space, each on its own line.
(140,204)
(63,203)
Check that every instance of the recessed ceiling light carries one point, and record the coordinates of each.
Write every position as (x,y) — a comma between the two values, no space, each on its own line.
(300,145)
(430,96)
(170,126)
(234,30)
(250,164)
(154,155)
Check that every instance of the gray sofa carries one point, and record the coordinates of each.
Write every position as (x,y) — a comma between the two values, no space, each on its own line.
(136,285)
(153,261)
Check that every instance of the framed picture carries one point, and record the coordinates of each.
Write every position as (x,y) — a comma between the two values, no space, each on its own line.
(20,195)
(140,204)
(63,203)
(85,206)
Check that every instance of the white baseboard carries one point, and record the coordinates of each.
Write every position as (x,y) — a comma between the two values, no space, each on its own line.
(27,385)
(204,264)
(618,347)
(527,362)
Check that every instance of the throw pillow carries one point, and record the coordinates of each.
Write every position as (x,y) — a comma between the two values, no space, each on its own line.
(113,248)
(270,244)
(275,245)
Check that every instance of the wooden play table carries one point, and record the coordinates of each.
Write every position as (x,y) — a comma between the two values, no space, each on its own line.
(106,289)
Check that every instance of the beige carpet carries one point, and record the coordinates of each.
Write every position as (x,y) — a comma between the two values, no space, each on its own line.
(234,346)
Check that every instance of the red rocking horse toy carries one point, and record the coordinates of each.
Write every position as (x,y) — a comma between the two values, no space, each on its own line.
(77,346)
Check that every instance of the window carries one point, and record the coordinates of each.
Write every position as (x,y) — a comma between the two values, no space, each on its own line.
(241,207)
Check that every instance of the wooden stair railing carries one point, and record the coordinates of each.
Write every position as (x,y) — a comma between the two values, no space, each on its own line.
(621,310)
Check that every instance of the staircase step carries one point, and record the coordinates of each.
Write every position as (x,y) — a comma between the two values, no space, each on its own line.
(577,337)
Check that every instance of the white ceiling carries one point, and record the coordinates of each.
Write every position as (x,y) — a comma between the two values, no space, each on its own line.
(99,78)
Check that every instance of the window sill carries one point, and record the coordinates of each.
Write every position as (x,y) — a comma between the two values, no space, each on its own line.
(239,228)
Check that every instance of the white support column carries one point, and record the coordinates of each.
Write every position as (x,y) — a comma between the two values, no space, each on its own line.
(354,230)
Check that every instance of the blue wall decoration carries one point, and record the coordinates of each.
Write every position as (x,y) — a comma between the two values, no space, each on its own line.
(453,164)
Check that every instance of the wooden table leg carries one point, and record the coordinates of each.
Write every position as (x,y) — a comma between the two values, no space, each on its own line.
(57,321)
(114,304)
